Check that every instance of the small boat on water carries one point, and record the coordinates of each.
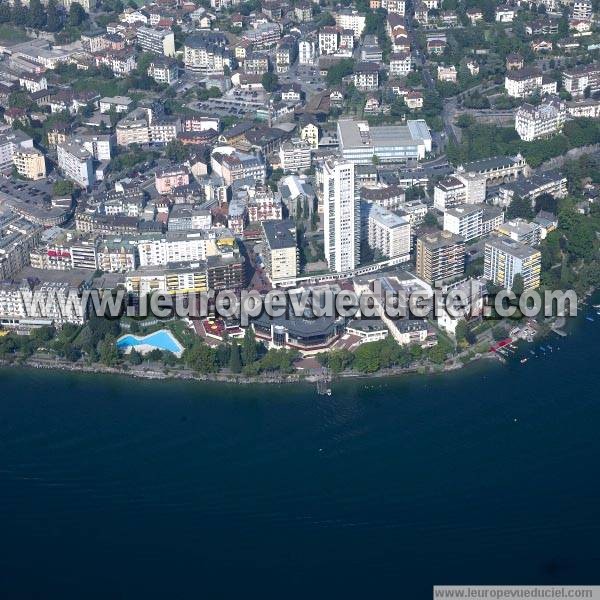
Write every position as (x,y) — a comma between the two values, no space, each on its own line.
(596,305)
(542,349)
(524,360)
(590,318)
(532,352)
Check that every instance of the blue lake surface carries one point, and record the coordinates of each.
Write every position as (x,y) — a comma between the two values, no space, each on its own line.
(119,488)
(163,340)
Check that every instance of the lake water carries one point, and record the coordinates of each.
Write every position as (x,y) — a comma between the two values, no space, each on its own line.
(119,488)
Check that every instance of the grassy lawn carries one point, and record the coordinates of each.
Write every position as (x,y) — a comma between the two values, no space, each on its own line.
(10,33)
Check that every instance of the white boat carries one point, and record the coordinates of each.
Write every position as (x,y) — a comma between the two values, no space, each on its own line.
(524,360)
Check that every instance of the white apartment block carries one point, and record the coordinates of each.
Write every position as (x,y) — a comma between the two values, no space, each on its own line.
(30,163)
(577,80)
(448,193)
(386,231)
(307,52)
(521,83)
(545,120)
(76,163)
(175,247)
(464,220)
(328,40)
(341,207)
(351,19)
(281,250)
(400,64)
(159,41)
(295,155)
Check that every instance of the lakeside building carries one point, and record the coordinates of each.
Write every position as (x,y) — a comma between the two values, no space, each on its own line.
(280,250)
(504,258)
(30,304)
(341,208)
(440,255)
(359,142)
(308,335)
(536,122)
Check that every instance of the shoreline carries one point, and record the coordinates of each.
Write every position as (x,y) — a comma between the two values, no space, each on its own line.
(452,364)
(186,375)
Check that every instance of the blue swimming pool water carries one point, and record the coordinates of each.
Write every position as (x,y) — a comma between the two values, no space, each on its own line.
(163,340)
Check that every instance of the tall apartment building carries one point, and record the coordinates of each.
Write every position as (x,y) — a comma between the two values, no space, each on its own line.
(504,258)
(448,193)
(163,70)
(76,163)
(30,163)
(341,208)
(545,120)
(141,126)
(281,250)
(440,255)
(386,231)
(577,80)
(307,52)
(158,41)
(295,155)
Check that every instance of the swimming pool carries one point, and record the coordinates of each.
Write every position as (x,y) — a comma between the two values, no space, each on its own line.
(161,340)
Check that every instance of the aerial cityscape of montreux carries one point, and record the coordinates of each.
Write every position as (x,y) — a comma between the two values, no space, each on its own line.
(299,299)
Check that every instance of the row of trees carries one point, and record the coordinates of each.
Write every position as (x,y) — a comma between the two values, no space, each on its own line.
(374,356)
(37,16)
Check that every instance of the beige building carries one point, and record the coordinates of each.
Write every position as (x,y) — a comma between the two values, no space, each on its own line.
(440,255)
(30,163)
(281,250)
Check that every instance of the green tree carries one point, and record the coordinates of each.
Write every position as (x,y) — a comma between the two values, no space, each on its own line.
(235,361)
(135,357)
(53,20)
(63,187)
(270,81)
(37,15)
(109,354)
(176,151)
(339,70)
(249,350)
(76,15)
(519,207)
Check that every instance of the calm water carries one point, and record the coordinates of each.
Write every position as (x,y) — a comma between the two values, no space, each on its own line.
(114,488)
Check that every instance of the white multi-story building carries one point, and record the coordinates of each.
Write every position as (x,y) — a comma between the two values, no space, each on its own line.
(11,142)
(520,83)
(175,247)
(448,193)
(159,41)
(76,163)
(576,81)
(504,258)
(329,40)
(341,208)
(545,120)
(464,220)
(207,53)
(351,19)
(163,70)
(307,52)
(281,250)
(400,63)
(295,155)
(386,231)
(582,10)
